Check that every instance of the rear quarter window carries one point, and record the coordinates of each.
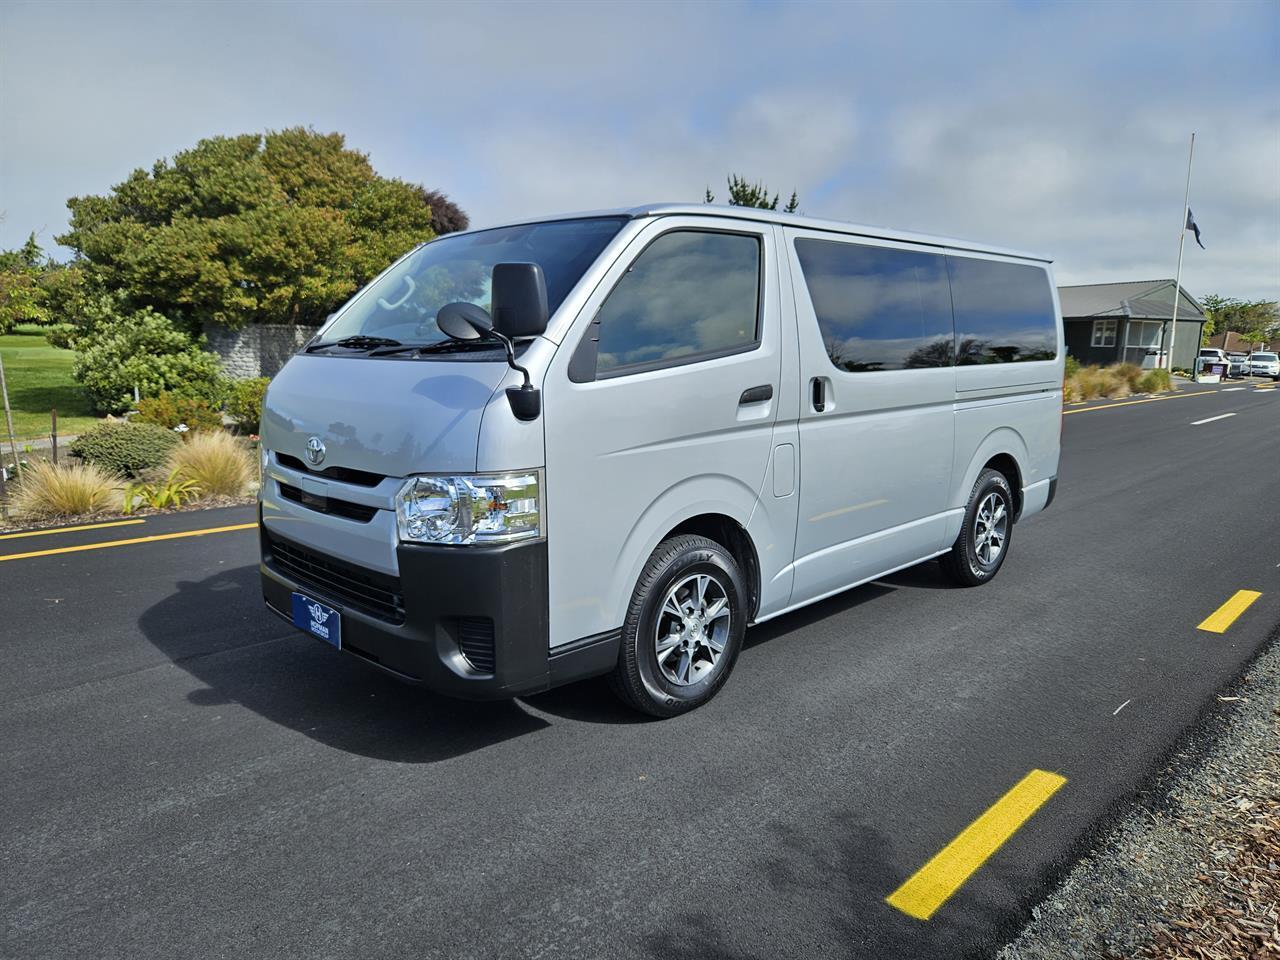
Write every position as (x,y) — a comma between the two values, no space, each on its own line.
(1003,311)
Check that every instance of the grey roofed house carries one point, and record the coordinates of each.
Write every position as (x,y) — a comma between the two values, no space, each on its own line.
(1130,322)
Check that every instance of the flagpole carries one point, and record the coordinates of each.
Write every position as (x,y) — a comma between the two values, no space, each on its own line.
(1177,280)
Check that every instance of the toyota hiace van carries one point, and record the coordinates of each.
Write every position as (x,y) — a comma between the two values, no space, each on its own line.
(608,443)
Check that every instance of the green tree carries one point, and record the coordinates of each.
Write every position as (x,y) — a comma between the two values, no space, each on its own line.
(1257,321)
(274,228)
(745,194)
(22,299)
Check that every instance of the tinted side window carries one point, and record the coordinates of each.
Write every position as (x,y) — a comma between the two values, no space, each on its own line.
(1004,312)
(690,293)
(878,309)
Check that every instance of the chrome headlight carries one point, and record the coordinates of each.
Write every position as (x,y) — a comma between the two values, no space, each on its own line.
(483,508)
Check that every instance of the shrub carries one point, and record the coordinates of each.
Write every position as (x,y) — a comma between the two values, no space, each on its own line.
(73,489)
(170,492)
(169,409)
(1130,373)
(146,351)
(1155,381)
(217,463)
(125,448)
(244,402)
(1072,367)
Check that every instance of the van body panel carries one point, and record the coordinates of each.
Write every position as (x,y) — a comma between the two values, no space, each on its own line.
(877,457)
(631,456)
(432,425)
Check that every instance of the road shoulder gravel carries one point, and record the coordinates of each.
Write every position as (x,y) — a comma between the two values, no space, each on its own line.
(1193,870)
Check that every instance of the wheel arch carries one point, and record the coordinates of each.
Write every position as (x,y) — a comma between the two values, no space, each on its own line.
(715,506)
(1002,449)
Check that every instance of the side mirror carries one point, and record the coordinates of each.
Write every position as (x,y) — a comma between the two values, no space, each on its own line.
(519,299)
(464,321)
(469,322)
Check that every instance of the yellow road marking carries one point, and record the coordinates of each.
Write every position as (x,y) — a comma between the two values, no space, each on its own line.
(1129,403)
(1269,386)
(1225,615)
(123,543)
(86,526)
(930,886)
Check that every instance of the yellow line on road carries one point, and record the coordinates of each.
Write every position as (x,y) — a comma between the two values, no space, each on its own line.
(86,526)
(1226,615)
(1129,403)
(930,886)
(123,543)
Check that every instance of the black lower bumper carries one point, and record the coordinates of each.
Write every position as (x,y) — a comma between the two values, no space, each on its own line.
(468,622)
(1053,492)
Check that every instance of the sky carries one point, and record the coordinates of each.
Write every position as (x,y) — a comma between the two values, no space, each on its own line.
(1059,128)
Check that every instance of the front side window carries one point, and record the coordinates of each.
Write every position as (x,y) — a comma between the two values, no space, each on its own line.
(1004,311)
(1104,333)
(690,294)
(402,304)
(878,308)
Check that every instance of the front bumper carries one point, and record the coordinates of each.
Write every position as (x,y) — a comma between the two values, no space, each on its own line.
(469,622)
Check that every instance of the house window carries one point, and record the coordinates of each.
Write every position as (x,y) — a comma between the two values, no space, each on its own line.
(1104,333)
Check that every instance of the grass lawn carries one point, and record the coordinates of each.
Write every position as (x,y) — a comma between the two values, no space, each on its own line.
(39,379)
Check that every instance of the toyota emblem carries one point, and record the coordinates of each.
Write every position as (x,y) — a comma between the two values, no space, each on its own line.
(315,451)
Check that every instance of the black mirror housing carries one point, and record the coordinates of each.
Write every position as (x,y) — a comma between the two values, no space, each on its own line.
(519,300)
(463,321)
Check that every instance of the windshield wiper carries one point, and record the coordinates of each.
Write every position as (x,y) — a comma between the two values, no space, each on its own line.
(357,342)
(442,346)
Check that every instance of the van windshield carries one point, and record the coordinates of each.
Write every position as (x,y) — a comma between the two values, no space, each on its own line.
(402,304)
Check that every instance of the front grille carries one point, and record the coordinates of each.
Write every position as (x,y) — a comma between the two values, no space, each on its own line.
(368,591)
(360,478)
(338,508)
(475,639)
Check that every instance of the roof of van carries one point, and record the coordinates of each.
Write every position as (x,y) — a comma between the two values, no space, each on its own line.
(790,220)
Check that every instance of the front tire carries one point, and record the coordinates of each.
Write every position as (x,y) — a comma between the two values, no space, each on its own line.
(983,543)
(684,627)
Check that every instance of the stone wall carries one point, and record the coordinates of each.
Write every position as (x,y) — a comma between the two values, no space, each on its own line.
(258,350)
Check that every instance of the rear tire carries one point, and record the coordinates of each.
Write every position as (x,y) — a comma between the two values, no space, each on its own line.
(983,543)
(683,629)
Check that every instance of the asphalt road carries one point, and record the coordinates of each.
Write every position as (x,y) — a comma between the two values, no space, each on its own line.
(185,777)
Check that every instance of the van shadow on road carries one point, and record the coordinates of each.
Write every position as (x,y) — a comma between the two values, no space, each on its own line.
(219,631)
(827,884)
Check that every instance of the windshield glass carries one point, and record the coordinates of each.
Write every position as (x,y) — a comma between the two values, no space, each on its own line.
(403,303)
(1265,357)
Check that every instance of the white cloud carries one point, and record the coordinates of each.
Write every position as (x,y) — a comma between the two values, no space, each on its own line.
(1055,127)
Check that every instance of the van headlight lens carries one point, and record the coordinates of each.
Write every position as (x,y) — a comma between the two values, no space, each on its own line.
(485,508)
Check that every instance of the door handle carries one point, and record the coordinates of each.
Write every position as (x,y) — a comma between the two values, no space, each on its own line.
(756,394)
(819,394)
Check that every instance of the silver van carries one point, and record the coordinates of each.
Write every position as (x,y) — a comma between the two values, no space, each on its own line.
(607,443)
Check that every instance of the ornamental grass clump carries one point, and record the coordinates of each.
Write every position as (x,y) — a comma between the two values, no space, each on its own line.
(217,463)
(69,490)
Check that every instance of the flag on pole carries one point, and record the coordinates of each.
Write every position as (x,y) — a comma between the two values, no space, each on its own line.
(1191,225)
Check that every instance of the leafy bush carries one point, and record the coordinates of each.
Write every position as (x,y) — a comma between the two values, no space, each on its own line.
(146,351)
(68,490)
(1072,367)
(218,464)
(170,409)
(125,448)
(244,402)
(170,492)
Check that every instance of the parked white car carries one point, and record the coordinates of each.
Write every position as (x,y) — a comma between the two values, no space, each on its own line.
(1264,365)
(1237,364)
